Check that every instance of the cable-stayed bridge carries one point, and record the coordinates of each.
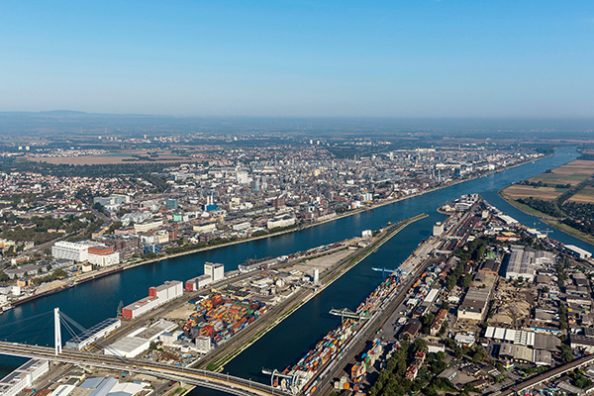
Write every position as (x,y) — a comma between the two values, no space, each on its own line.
(204,378)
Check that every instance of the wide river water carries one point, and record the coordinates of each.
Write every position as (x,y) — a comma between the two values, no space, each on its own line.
(91,302)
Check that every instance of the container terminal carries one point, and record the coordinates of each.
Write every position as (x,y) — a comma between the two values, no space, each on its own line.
(310,375)
(206,320)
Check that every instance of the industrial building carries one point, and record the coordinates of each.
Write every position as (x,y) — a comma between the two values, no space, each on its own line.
(198,282)
(167,291)
(128,347)
(73,251)
(524,262)
(23,377)
(522,353)
(203,344)
(113,201)
(583,343)
(281,222)
(578,252)
(103,256)
(139,341)
(216,271)
(91,335)
(213,272)
(158,295)
(476,301)
(438,228)
(110,386)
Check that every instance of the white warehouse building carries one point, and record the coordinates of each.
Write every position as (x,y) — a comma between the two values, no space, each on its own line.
(281,222)
(215,271)
(74,251)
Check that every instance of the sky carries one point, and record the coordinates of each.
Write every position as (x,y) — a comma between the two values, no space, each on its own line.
(411,58)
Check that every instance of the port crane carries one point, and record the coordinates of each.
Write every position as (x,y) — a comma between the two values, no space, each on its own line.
(383,270)
(395,271)
(347,313)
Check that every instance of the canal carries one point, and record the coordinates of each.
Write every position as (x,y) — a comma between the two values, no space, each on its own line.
(92,302)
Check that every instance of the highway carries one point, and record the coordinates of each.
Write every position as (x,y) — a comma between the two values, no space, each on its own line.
(546,376)
(204,378)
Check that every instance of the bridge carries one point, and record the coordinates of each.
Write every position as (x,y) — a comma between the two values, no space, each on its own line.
(203,378)
(555,372)
(208,379)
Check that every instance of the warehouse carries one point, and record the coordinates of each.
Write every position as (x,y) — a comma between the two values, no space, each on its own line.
(158,295)
(216,271)
(128,347)
(103,256)
(73,251)
(476,301)
(91,335)
(524,262)
(578,252)
(23,377)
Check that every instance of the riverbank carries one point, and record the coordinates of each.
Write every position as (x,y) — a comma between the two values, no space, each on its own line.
(68,283)
(550,220)
(217,363)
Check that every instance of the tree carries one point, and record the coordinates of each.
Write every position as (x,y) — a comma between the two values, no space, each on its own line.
(451,281)
(426,321)
(466,280)
(4,277)
(479,354)
(566,353)
(580,380)
(436,362)
(420,345)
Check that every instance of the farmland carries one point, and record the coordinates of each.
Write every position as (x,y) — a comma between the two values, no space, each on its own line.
(572,174)
(518,191)
(583,196)
(563,197)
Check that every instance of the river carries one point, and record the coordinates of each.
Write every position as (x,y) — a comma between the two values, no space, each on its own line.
(94,301)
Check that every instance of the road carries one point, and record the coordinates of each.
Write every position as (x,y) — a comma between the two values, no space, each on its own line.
(547,375)
(278,313)
(235,385)
(417,262)
(370,327)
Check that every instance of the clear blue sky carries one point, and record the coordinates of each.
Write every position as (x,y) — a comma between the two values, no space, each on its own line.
(464,58)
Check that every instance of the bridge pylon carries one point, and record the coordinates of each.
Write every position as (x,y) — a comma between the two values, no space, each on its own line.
(57,332)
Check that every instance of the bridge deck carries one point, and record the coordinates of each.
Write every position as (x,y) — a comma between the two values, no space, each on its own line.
(204,378)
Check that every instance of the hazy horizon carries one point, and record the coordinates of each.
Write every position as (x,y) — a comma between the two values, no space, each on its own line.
(396,59)
(61,122)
